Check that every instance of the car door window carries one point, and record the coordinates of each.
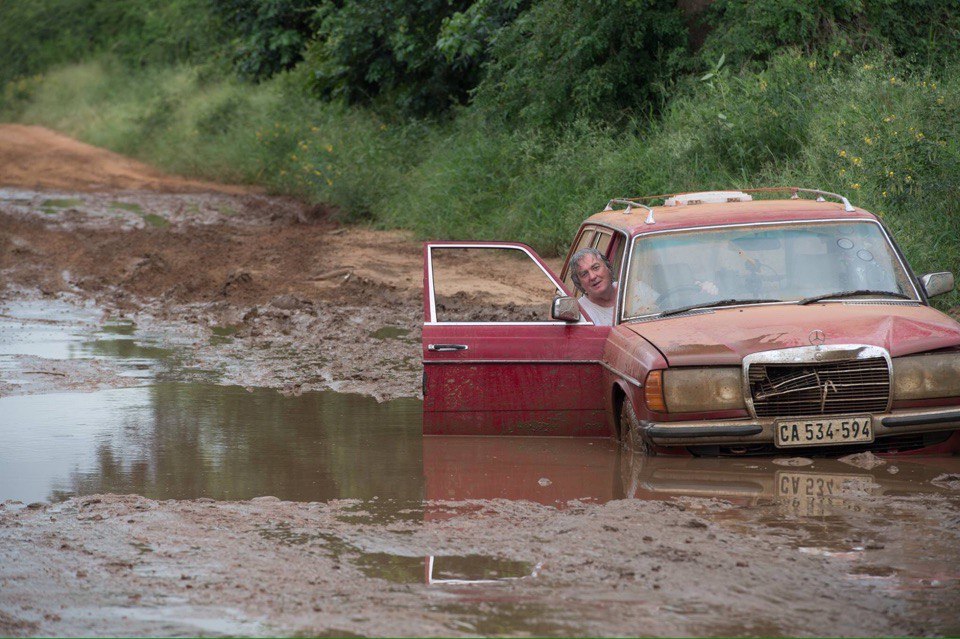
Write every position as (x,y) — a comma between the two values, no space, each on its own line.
(489,284)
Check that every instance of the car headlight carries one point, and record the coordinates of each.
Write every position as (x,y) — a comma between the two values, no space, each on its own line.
(689,390)
(926,376)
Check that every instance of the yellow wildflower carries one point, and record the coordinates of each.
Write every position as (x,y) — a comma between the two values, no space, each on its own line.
(855,186)
(868,140)
(329,148)
(857,161)
(842,153)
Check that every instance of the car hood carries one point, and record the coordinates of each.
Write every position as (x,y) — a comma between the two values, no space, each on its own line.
(726,336)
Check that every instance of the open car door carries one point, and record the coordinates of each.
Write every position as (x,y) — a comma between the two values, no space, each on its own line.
(494,362)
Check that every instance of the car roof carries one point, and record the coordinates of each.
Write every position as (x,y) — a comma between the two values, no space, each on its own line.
(724,213)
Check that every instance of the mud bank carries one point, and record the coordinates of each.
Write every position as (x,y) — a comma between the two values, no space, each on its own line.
(129,565)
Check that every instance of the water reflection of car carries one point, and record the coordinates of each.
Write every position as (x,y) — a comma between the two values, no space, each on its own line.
(819,339)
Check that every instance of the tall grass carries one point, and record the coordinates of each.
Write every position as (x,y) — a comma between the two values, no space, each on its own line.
(887,137)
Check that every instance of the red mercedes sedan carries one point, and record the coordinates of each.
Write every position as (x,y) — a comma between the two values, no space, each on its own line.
(741,324)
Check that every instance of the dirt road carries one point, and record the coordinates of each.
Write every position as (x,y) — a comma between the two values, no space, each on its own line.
(660,547)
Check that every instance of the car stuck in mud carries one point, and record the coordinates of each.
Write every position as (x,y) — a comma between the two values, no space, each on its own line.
(742,325)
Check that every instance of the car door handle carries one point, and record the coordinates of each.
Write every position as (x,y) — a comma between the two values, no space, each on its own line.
(446,347)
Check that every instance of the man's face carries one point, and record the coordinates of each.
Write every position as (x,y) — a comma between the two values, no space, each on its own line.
(595,277)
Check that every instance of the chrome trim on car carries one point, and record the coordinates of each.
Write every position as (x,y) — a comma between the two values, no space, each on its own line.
(720,430)
(814,355)
(921,419)
(760,431)
(622,376)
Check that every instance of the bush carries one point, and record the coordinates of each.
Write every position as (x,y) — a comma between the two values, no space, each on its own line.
(564,60)
(927,31)
(40,34)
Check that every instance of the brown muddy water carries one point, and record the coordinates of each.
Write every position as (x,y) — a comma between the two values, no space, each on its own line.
(153,426)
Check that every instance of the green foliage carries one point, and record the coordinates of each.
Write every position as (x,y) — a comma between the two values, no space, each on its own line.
(567,59)
(38,35)
(386,51)
(926,30)
(270,34)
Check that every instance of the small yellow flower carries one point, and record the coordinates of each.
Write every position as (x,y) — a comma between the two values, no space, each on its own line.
(329,148)
(842,153)
(909,178)
(889,173)
(893,80)
(842,172)
(812,64)
(919,135)
(884,194)
(855,186)
(868,140)
(868,67)
(857,161)
(836,53)
(940,100)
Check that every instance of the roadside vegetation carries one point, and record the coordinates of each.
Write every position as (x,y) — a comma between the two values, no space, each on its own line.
(512,119)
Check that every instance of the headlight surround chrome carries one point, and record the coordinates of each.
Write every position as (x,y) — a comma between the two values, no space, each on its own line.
(929,376)
(714,388)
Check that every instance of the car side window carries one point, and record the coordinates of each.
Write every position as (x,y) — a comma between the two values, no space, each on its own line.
(602,242)
(489,284)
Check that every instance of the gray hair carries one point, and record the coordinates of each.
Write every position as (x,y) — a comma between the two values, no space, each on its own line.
(575,265)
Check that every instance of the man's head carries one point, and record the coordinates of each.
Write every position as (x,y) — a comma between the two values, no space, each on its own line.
(592,274)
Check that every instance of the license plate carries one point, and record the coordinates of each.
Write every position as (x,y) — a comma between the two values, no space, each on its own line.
(823,432)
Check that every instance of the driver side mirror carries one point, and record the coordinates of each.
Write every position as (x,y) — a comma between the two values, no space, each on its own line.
(565,308)
(937,283)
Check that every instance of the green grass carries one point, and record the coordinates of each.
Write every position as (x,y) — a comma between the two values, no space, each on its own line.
(156,221)
(64,203)
(133,207)
(886,136)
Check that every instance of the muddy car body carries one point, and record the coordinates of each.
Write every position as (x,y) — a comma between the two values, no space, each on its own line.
(818,339)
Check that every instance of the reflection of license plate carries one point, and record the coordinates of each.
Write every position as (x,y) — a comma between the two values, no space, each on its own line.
(798,484)
(823,432)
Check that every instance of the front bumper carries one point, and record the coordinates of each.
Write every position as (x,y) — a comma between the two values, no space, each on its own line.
(760,431)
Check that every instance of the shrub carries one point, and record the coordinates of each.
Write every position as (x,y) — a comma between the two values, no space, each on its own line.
(563,60)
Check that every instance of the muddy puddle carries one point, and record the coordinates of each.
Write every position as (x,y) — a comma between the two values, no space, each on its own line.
(359,525)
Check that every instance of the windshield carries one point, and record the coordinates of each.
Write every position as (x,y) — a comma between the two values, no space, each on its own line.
(670,271)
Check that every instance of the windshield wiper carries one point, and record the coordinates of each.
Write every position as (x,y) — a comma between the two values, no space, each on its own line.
(728,302)
(865,291)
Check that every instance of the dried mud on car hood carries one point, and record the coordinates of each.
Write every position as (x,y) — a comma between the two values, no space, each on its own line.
(726,336)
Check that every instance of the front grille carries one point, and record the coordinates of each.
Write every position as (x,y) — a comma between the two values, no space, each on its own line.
(822,388)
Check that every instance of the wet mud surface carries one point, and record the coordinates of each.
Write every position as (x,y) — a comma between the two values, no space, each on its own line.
(209,425)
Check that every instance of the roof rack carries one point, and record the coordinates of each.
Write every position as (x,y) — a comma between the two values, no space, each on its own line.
(630,204)
(794,195)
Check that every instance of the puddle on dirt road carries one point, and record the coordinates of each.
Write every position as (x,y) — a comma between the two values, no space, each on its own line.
(167,438)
